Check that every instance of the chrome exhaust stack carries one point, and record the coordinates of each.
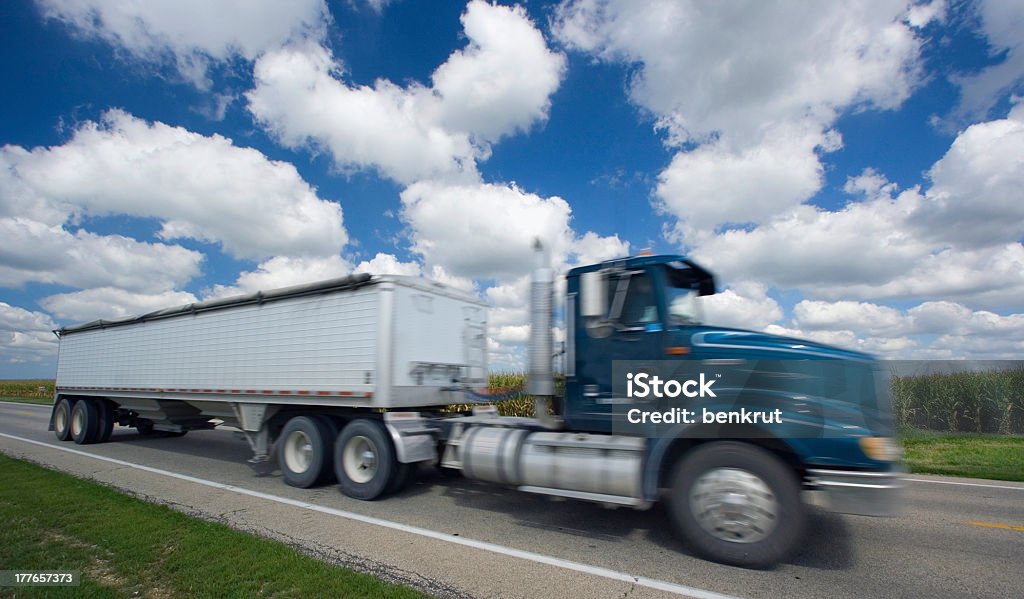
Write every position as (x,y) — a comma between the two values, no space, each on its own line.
(540,380)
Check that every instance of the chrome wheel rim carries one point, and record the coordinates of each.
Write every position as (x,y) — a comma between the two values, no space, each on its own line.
(298,452)
(77,422)
(734,505)
(360,459)
(60,420)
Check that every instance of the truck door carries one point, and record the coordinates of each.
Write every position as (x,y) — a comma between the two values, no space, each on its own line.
(635,332)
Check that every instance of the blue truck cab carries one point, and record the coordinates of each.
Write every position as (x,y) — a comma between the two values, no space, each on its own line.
(737,492)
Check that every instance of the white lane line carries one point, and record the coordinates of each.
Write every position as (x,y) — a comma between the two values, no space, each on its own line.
(643,581)
(950,482)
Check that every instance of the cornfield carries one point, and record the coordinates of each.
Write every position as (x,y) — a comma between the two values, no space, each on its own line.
(978,402)
(29,389)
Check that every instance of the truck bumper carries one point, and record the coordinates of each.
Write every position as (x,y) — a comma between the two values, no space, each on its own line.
(857,492)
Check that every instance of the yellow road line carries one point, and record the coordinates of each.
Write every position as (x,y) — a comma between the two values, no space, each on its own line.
(991,525)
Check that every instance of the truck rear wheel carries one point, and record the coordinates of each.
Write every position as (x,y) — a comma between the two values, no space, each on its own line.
(364,460)
(304,451)
(85,422)
(62,419)
(737,504)
(107,419)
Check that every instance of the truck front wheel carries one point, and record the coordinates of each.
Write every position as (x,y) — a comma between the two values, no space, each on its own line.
(737,504)
(364,460)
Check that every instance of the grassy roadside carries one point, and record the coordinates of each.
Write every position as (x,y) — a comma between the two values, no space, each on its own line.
(126,547)
(30,400)
(970,455)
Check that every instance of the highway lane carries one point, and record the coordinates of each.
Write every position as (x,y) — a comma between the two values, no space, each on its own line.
(932,550)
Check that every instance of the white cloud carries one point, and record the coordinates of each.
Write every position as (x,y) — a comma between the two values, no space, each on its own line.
(385,127)
(388,264)
(198,187)
(283,271)
(36,252)
(744,305)
(191,33)
(484,231)
(930,330)
(893,244)
(849,315)
(716,184)
(25,337)
(499,84)
(503,80)
(975,199)
(593,248)
(731,68)
(749,91)
(1001,24)
(110,303)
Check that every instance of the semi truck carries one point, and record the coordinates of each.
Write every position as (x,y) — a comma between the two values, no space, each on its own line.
(352,380)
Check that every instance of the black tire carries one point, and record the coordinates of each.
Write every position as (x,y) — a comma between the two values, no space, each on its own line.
(737,469)
(108,417)
(62,419)
(304,451)
(334,426)
(403,476)
(85,422)
(364,460)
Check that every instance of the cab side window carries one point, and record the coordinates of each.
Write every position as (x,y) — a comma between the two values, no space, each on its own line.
(640,305)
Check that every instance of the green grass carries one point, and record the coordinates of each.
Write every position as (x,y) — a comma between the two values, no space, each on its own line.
(48,401)
(125,547)
(969,455)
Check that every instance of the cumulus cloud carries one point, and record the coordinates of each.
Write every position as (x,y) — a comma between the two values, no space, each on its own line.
(719,183)
(484,231)
(500,83)
(283,271)
(960,238)
(190,34)
(36,252)
(110,303)
(744,305)
(975,196)
(25,336)
(198,187)
(388,264)
(930,330)
(748,92)
(1000,23)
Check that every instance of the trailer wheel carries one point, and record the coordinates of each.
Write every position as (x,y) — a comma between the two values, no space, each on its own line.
(364,460)
(108,417)
(62,419)
(737,504)
(85,422)
(304,451)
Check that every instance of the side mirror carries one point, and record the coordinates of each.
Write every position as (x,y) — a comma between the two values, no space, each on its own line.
(593,295)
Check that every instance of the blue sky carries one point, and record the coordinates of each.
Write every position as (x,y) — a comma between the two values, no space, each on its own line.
(851,173)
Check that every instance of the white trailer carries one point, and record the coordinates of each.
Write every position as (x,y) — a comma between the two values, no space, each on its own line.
(292,363)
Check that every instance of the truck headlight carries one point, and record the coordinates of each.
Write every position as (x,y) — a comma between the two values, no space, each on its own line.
(883,449)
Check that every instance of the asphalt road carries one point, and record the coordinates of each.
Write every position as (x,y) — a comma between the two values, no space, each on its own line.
(957,537)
